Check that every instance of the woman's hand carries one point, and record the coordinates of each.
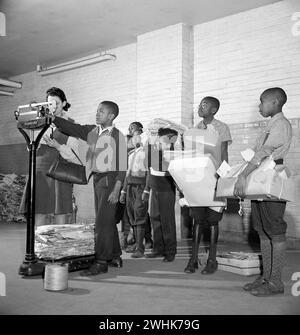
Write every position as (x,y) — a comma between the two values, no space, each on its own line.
(51,142)
(114,195)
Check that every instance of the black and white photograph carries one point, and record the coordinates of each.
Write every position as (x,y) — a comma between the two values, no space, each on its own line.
(149,162)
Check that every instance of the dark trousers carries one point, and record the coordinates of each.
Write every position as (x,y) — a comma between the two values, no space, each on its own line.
(137,212)
(267,217)
(107,244)
(162,217)
(148,233)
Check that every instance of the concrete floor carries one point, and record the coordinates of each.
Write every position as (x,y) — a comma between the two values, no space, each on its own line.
(141,287)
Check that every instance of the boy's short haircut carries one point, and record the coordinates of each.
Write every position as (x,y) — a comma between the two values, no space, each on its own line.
(167,132)
(278,92)
(114,108)
(138,131)
(137,124)
(214,101)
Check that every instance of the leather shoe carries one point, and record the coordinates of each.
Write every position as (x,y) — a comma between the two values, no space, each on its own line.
(268,288)
(130,249)
(149,244)
(191,266)
(137,254)
(116,262)
(169,258)
(154,255)
(210,268)
(95,269)
(254,285)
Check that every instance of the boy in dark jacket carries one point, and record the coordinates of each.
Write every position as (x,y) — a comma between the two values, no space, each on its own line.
(161,187)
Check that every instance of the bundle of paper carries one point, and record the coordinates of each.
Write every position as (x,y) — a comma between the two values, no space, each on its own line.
(268,181)
(157,123)
(150,134)
(54,242)
(11,191)
(196,178)
(242,263)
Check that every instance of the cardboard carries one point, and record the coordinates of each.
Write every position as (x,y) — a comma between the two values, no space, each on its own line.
(196,178)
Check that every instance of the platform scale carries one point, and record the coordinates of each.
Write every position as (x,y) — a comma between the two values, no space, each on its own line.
(37,118)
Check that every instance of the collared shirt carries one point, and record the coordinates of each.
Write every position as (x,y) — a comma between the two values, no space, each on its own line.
(137,163)
(274,141)
(220,127)
(108,129)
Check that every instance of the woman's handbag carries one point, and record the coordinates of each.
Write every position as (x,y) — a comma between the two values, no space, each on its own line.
(68,172)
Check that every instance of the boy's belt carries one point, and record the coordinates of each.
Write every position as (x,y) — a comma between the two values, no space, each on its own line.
(157,173)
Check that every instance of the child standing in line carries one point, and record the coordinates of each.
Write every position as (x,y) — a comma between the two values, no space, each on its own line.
(268,216)
(162,198)
(206,215)
(132,192)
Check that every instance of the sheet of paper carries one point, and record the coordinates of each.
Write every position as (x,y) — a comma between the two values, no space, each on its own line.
(267,164)
(223,169)
(247,154)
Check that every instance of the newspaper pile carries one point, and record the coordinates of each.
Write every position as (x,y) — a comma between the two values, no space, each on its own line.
(240,255)
(54,242)
(11,191)
(150,133)
(157,123)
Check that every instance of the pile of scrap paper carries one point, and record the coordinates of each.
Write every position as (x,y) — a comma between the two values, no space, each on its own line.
(243,263)
(150,132)
(53,242)
(11,191)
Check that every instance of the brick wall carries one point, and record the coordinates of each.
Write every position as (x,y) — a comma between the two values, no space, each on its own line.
(235,59)
(243,135)
(160,73)
(239,56)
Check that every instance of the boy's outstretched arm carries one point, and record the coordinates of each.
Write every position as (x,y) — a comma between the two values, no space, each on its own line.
(72,129)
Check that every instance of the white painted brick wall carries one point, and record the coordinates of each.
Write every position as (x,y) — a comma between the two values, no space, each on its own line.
(159,74)
(239,56)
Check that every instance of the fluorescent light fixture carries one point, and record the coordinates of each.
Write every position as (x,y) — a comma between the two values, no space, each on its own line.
(6,93)
(74,64)
(10,83)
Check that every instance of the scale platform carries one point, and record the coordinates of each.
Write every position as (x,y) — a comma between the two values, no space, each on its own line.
(75,263)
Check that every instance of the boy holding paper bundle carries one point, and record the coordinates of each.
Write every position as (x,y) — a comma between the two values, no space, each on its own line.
(162,198)
(267,216)
(209,215)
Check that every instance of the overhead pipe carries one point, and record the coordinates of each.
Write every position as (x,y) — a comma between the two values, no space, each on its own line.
(10,83)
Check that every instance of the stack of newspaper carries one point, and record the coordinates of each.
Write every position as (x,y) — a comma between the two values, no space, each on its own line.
(11,191)
(53,242)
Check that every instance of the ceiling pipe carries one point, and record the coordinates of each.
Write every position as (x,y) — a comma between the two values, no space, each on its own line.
(10,83)
(6,93)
